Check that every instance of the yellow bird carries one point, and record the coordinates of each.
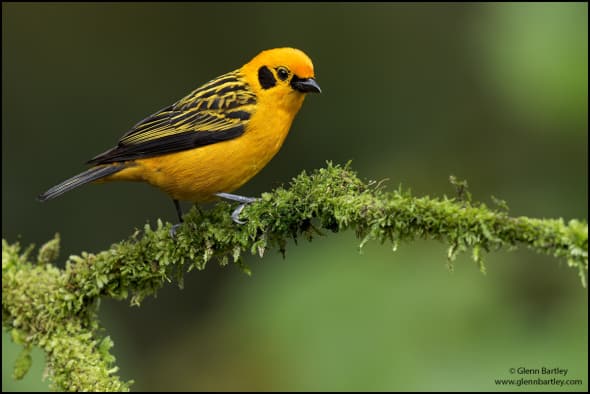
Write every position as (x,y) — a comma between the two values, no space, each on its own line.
(215,139)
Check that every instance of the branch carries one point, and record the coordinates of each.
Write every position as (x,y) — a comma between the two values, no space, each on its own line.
(56,309)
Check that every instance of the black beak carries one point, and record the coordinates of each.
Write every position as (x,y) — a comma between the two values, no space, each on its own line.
(308,85)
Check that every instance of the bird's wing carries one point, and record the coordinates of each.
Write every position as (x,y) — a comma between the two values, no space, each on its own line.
(215,112)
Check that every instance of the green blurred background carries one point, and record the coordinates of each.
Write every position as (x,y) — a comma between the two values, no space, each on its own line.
(494,93)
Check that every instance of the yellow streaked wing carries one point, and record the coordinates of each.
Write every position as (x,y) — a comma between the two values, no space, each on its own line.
(217,111)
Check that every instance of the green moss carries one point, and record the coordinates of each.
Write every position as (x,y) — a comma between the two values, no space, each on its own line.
(55,309)
(41,309)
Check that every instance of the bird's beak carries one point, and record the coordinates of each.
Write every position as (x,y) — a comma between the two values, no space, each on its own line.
(307,85)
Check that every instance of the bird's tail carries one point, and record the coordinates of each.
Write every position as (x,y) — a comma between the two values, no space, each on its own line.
(92,174)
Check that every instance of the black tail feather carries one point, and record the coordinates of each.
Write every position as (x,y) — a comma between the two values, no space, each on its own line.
(89,175)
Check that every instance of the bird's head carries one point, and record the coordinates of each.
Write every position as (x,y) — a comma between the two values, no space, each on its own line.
(283,75)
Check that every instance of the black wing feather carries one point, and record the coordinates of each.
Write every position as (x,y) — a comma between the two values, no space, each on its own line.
(173,143)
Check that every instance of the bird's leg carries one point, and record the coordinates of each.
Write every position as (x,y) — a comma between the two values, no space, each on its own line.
(241,199)
(179,213)
(178,210)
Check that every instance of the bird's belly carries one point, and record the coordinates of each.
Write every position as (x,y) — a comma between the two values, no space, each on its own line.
(197,174)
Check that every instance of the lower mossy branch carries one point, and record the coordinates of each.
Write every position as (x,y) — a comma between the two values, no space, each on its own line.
(55,309)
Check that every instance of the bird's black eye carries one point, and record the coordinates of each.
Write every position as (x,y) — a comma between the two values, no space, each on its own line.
(282,73)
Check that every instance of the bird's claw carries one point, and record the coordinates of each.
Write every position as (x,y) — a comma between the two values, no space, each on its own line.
(173,229)
(236,213)
(241,199)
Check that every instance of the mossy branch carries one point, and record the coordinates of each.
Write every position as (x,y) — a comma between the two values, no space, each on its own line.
(56,309)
